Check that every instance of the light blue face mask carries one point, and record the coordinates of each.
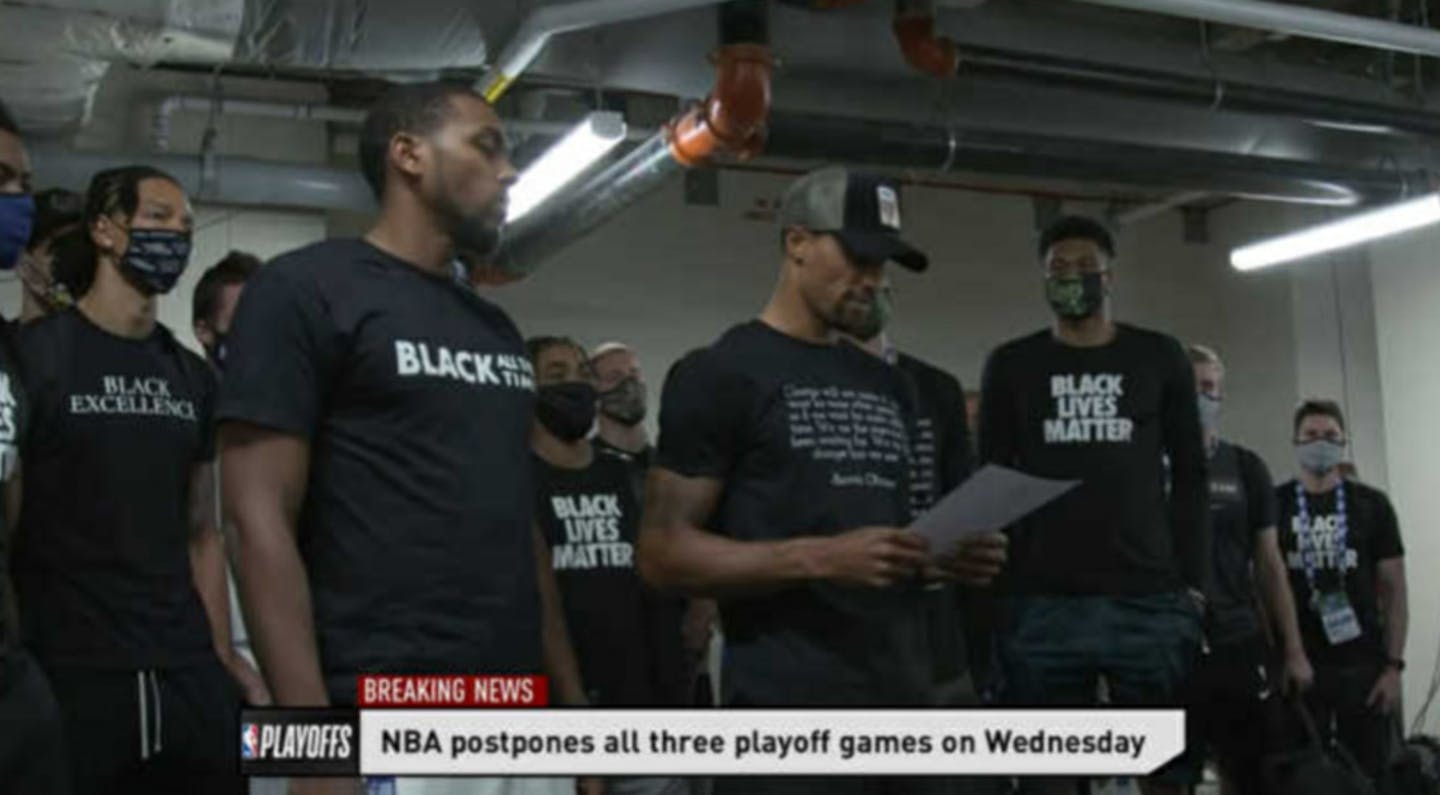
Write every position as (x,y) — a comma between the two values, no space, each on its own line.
(1319,456)
(1209,406)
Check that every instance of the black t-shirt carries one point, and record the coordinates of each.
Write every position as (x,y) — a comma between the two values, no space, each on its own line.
(940,442)
(14,420)
(809,440)
(590,519)
(1106,416)
(641,460)
(1372,535)
(1242,504)
(103,557)
(416,396)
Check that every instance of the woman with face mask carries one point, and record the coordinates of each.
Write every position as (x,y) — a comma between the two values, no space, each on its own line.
(1347,569)
(57,228)
(119,563)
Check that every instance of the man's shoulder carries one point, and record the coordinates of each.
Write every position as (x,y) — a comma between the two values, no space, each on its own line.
(1149,338)
(1022,344)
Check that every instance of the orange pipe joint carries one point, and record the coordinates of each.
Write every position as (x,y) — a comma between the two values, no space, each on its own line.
(923,50)
(732,118)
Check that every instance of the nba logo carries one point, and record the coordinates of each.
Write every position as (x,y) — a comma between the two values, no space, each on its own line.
(249,741)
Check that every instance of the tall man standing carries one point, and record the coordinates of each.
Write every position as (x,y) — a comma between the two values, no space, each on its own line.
(780,485)
(1347,568)
(1231,683)
(375,419)
(1099,578)
(32,751)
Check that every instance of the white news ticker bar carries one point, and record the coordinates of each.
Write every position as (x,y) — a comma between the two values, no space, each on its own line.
(1160,733)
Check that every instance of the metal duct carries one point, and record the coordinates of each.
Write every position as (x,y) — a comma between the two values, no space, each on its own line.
(1213,94)
(539,25)
(731,119)
(938,148)
(1312,23)
(240,181)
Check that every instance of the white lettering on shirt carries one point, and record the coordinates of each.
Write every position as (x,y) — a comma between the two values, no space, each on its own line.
(423,359)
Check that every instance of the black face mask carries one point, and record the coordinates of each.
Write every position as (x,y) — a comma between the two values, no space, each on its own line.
(155,258)
(1076,297)
(566,409)
(625,403)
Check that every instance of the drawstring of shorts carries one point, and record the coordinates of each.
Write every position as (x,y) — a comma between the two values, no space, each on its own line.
(148,693)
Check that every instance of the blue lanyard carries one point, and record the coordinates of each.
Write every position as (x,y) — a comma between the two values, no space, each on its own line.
(1342,532)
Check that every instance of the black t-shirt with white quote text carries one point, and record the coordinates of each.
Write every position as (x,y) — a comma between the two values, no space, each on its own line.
(1372,535)
(941,452)
(416,398)
(102,556)
(1107,416)
(1242,505)
(590,519)
(808,440)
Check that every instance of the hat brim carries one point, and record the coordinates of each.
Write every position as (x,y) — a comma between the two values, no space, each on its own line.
(882,247)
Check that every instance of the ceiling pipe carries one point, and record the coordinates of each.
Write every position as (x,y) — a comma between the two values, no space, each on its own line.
(548,20)
(731,120)
(1145,212)
(923,49)
(938,148)
(301,111)
(241,181)
(1311,23)
(1212,93)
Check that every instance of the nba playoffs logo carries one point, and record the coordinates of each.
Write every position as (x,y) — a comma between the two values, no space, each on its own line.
(249,741)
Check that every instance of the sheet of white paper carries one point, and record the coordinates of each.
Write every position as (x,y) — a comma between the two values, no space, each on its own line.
(990,500)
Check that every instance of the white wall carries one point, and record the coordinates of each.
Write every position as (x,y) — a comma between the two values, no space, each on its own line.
(667,277)
(221,229)
(1406,283)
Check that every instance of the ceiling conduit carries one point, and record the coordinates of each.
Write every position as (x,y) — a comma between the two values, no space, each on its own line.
(939,148)
(1310,23)
(930,53)
(730,120)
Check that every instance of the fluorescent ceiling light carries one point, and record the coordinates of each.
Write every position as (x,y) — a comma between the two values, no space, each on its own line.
(595,135)
(1350,231)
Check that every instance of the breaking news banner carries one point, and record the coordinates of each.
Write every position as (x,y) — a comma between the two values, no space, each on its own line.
(488,726)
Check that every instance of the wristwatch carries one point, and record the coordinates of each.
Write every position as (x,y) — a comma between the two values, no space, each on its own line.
(1396,663)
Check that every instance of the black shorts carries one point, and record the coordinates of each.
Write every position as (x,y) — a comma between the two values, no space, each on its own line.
(32,747)
(150,731)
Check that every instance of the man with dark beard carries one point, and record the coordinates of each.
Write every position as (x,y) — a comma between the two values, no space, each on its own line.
(375,425)
(780,484)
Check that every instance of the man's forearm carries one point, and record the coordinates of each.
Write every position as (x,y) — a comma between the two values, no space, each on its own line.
(207,571)
(1279,601)
(700,563)
(559,654)
(275,595)
(1397,618)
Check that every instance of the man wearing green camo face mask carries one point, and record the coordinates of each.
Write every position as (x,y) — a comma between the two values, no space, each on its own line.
(1109,578)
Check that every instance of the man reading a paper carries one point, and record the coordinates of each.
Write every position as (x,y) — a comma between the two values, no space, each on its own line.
(1104,583)
(780,485)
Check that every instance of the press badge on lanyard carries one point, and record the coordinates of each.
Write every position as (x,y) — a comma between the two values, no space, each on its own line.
(1337,616)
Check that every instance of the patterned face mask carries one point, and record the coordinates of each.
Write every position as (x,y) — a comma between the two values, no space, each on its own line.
(1076,297)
